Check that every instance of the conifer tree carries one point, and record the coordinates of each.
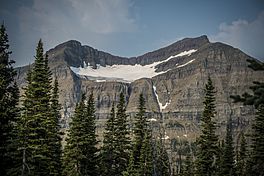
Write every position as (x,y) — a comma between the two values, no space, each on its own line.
(140,131)
(228,163)
(121,138)
(256,166)
(80,153)
(54,132)
(73,149)
(91,161)
(146,159)
(9,96)
(188,166)
(255,163)
(131,169)
(242,157)
(107,150)
(34,124)
(207,142)
(21,157)
(161,163)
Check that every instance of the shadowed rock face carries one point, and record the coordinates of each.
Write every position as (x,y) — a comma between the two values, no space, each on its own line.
(174,97)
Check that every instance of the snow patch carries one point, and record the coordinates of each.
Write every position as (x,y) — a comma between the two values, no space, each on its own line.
(165,137)
(125,73)
(152,120)
(185,64)
(161,107)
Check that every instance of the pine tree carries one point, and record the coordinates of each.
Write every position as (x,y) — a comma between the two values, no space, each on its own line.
(140,131)
(80,154)
(54,132)
(207,142)
(161,161)
(121,138)
(34,124)
(242,157)
(75,142)
(258,88)
(131,169)
(107,150)
(228,163)
(91,161)
(146,159)
(21,164)
(188,166)
(255,163)
(9,96)
(256,166)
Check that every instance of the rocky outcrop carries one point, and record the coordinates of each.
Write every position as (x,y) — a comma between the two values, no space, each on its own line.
(174,98)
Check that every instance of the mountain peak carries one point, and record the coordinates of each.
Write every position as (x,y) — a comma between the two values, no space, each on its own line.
(70,43)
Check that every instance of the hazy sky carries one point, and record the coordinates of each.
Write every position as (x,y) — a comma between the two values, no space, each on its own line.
(131,27)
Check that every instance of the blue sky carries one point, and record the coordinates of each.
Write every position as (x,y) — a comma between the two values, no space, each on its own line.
(131,27)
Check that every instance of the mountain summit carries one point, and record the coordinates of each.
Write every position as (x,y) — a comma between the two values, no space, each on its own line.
(172,80)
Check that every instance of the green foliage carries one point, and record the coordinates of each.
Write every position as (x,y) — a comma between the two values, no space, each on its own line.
(115,152)
(73,149)
(146,155)
(55,147)
(91,163)
(258,89)
(207,153)
(227,162)
(9,96)
(107,150)
(141,159)
(161,159)
(80,154)
(242,157)
(140,130)
(37,141)
(121,141)
(188,168)
(34,135)
(256,166)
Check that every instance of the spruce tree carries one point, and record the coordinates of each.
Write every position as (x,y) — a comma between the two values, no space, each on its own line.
(146,159)
(107,150)
(90,163)
(140,131)
(257,98)
(207,142)
(242,157)
(35,122)
(80,153)
(121,138)
(161,161)
(55,146)
(131,169)
(188,166)
(255,163)
(228,163)
(256,166)
(75,142)
(9,96)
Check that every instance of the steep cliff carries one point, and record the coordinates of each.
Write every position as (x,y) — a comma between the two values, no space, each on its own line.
(172,80)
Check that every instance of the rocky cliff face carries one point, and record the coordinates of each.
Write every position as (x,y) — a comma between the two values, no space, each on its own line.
(173,93)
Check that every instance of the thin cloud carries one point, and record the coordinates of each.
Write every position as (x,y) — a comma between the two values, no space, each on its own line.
(91,22)
(104,17)
(246,35)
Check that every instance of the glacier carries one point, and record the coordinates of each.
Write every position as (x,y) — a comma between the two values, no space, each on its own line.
(125,73)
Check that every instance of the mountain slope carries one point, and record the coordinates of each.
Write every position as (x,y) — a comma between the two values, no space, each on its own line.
(173,88)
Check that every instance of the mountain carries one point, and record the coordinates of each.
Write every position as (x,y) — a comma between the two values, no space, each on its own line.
(172,80)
